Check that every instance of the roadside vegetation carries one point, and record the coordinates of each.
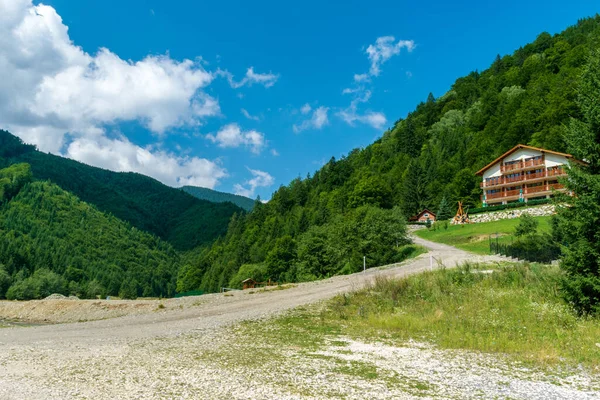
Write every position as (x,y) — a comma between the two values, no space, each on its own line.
(475,237)
(515,310)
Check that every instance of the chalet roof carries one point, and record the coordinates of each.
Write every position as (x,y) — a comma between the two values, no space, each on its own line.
(416,217)
(248,280)
(517,147)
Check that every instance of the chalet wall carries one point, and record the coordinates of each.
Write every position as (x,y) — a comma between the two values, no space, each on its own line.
(553,160)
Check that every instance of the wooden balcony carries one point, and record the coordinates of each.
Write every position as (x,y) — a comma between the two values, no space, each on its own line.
(525,164)
(556,171)
(505,181)
(535,189)
(495,196)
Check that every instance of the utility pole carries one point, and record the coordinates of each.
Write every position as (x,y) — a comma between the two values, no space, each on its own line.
(364,263)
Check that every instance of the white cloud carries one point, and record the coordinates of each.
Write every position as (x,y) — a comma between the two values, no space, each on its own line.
(121,155)
(375,119)
(231,135)
(361,78)
(260,179)
(351,115)
(56,88)
(249,116)
(383,49)
(305,108)
(317,120)
(275,153)
(251,77)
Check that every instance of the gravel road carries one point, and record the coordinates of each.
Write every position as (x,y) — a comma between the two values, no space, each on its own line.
(158,352)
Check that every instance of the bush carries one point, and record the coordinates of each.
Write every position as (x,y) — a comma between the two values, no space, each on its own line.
(41,284)
(527,225)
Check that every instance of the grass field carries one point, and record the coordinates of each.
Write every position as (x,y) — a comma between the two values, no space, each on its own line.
(475,237)
(511,309)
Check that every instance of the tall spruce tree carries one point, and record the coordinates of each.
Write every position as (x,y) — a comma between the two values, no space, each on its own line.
(581,221)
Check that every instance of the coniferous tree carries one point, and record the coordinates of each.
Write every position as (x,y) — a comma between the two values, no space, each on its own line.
(444,211)
(581,220)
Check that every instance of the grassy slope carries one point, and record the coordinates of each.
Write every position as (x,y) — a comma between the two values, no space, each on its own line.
(475,237)
(516,310)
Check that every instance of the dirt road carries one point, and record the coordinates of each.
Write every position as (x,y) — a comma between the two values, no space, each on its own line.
(162,352)
(212,311)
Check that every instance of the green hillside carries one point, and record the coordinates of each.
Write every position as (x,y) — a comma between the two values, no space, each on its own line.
(219,197)
(526,97)
(50,241)
(175,216)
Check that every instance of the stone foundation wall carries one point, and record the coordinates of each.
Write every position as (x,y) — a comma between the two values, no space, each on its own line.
(538,211)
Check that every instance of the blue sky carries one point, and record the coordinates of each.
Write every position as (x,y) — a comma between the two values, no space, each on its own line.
(270,91)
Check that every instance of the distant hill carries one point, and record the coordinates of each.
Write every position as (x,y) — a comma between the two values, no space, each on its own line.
(52,242)
(219,197)
(173,215)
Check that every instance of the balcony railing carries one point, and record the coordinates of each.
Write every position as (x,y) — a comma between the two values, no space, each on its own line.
(494,195)
(556,186)
(521,164)
(535,175)
(533,163)
(535,189)
(503,180)
(556,171)
(510,167)
(510,193)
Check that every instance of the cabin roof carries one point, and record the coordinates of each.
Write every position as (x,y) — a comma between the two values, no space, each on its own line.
(416,217)
(517,147)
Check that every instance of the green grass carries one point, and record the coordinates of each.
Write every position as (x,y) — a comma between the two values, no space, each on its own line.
(516,310)
(475,237)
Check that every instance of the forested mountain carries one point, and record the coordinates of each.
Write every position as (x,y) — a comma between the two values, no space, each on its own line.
(432,154)
(52,242)
(219,197)
(177,217)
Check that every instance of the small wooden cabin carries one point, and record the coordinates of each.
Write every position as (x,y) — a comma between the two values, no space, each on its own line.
(248,283)
(423,216)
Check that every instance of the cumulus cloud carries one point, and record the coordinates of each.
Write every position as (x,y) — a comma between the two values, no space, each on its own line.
(231,135)
(260,179)
(317,120)
(53,88)
(384,48)
(251,77)
(246,114)
(121,155)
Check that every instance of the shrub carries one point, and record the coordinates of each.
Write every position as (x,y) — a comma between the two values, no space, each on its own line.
(527,225)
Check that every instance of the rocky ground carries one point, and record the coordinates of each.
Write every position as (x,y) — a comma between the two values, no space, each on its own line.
(204,347)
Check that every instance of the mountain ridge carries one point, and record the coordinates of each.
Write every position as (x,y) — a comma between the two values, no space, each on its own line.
(171,214)
(216,196)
